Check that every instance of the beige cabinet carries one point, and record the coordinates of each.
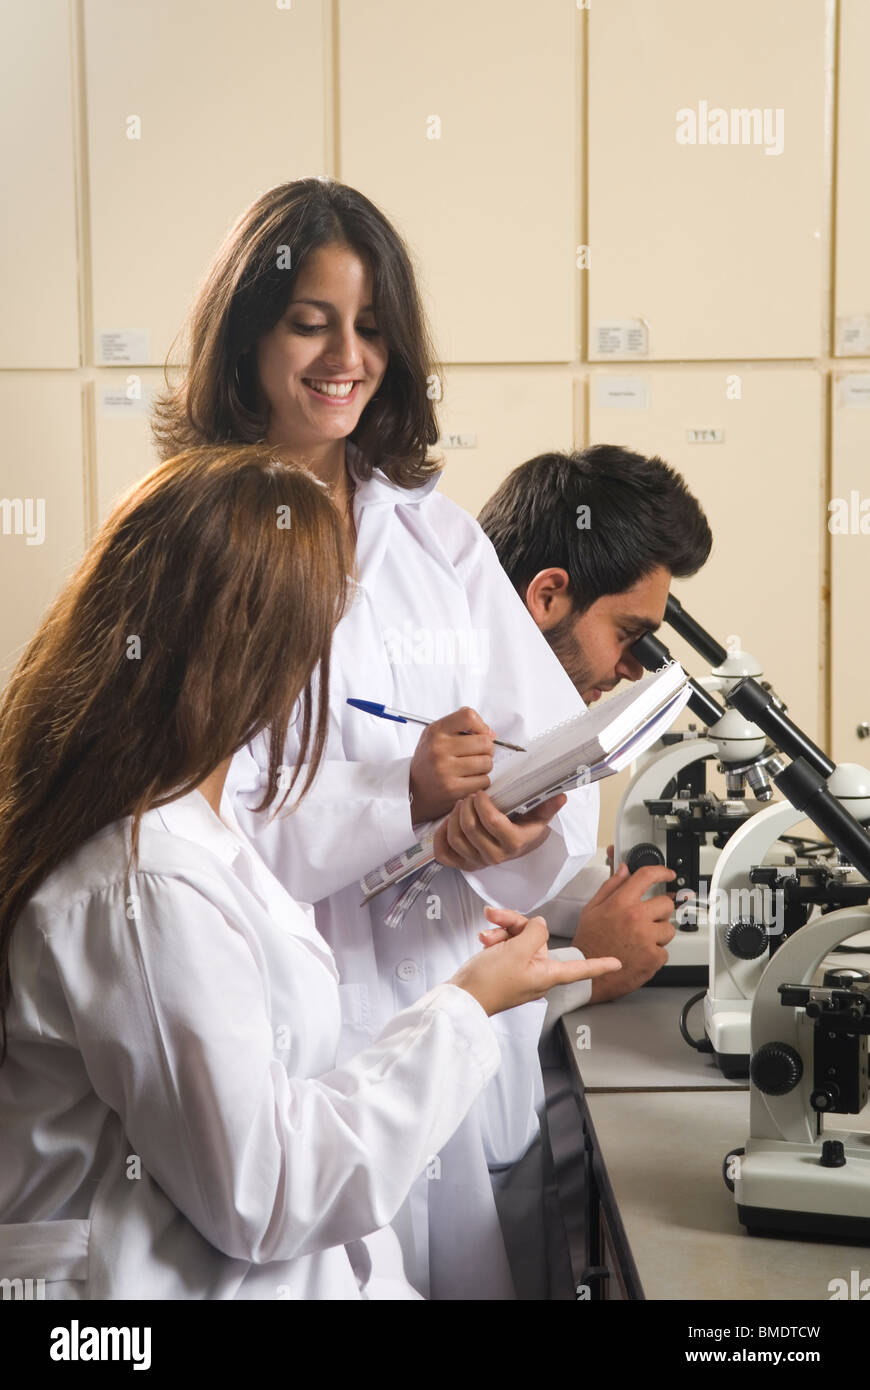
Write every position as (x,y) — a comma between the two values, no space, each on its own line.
(707,226)
(462,123)
(848,519)
(852,288)
(38,279)
(491,421)
(119,402)
(755,461)
(42,506)
(193,110)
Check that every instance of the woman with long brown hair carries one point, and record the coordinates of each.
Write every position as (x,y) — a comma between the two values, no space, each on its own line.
(308,332)
(173,1123)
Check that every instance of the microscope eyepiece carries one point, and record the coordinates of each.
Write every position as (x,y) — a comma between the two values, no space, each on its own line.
(653,654)
(693,633)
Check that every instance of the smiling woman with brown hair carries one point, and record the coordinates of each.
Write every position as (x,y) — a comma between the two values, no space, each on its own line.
(173,1123)
(308,331)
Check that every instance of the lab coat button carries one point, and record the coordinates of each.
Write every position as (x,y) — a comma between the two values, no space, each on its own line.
(407,970)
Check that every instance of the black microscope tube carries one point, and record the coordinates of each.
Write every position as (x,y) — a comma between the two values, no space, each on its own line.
(755,704)
(696,636)
(806,789)
(652,654)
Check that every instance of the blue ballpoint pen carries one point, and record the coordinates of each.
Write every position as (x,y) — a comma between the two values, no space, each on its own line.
(400,717)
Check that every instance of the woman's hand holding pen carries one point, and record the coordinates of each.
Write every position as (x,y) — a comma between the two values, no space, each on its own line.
(517,967)
(476,835)
(453,758)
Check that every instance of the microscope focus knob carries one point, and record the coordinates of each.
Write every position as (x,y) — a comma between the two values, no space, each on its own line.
(825,1099)
(776,1068)
(639,856)
(746,940)
(833,1154)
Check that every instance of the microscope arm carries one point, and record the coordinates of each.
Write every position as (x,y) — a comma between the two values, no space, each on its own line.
(632,818)
(791,1117)
(731,977)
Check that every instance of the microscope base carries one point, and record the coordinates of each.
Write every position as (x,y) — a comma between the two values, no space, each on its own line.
(733,1065)
(768,1221)
(680,975)
(726,1024)
(829,1203)
(688,960)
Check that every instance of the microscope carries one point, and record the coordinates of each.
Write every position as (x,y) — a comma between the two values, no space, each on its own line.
(766,884)
(809,1029)
(669,814)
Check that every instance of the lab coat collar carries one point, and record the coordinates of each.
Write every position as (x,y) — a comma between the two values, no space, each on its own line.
(379,490)
(192,818)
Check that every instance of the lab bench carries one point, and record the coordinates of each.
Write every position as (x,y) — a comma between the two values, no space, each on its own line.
(639,1125)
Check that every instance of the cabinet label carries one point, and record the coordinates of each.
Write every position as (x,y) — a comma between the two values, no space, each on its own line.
(705,436)
(622,393)
(855,391)
(621,338)
(124,345)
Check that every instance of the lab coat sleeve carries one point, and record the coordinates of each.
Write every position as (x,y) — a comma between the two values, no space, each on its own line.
(355,816)
(528,692)
(562,913)
(562,999)
(171,1019)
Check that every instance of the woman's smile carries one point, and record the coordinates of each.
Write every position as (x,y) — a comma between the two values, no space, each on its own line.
(332,392)
(325,358)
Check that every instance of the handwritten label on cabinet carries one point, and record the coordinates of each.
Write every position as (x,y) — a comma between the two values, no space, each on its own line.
(117,404)
(622,393)
(855,391)
(124,345)
(705,436)
(853,335)
(458,441)
(621,338)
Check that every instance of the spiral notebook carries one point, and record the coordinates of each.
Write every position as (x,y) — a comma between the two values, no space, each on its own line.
(602,740)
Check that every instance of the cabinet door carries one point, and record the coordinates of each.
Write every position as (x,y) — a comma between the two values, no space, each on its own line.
(460,122)
(38,271)
(42,508)
(852,297)
(492,421)
(193,110)
(849,527)
(705,250)
(757,469)
(121,400)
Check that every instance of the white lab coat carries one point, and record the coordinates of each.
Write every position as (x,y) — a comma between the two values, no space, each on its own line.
(562,914)
(435,624)
(172,1120)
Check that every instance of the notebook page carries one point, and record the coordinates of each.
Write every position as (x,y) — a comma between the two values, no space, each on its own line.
(586,739)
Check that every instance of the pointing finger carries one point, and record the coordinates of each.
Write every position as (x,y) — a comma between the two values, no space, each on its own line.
(566,972)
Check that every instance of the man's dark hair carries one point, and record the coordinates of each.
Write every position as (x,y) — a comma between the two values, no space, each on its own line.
(641,515)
